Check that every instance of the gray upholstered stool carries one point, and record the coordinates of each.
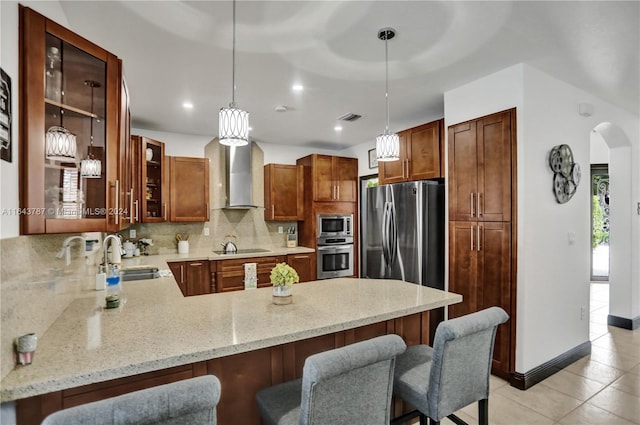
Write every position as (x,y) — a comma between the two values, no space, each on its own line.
(188,402)
(454,373)
(351,385)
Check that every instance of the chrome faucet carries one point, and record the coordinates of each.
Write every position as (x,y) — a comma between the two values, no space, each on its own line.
(65,251)
(115,237)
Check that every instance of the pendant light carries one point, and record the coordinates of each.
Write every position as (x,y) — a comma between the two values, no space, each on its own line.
(233,122)
(387,144)
(91,168)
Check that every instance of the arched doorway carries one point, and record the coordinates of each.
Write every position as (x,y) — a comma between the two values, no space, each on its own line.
(620,220)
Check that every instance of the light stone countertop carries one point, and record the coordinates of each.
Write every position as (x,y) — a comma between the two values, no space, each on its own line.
(158,328)
(208,254)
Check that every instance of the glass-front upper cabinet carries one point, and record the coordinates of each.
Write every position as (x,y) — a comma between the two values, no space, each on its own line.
(70,130)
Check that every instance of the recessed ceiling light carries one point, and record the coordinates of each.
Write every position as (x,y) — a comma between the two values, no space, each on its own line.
(338,128)
(187,105)
(297,87)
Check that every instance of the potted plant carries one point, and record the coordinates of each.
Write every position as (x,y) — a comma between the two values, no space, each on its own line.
(283,276)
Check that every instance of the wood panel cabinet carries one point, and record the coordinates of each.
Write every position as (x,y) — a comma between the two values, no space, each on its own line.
(68,85)
(480,172)
(304,264)
(482,237)
(330,178)
(189,189)
(230,273)
(283,192)
(480,270)
(193,277)
(421,155)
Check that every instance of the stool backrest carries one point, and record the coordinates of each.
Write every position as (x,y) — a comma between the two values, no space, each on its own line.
(187,402)
(462,352)
(350,385)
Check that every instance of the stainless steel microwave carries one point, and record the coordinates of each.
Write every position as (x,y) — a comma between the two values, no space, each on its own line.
(333,225)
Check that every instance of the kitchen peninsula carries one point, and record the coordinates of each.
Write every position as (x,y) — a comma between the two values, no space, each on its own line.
(160,336)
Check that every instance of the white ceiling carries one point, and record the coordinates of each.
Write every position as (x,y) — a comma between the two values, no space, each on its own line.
(176,51)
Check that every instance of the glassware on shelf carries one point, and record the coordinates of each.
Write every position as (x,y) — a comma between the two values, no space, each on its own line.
(53,83)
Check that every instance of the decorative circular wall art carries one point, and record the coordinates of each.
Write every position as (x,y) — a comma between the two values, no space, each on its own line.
(566,173)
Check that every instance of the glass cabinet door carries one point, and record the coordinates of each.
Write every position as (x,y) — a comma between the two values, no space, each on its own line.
(70,131)
(75,138)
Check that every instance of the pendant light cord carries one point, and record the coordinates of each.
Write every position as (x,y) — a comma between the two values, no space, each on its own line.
(233,60)
(386,88)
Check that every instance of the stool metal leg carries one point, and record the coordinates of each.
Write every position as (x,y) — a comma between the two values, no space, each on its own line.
(483,412)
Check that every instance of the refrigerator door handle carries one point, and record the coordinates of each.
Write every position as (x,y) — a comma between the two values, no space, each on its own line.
(385,234)
(393,235)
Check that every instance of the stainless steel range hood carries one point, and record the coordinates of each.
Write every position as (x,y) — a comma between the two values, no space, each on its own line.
(239,177)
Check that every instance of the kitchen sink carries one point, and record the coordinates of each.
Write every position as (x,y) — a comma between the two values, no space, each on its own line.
(242,251)
(139,273)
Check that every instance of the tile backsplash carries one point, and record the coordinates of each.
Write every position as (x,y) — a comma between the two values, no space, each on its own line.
(36,287)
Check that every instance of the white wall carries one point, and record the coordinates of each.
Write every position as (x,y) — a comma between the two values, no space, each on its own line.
(177,144)
(599,151)
(10,223)
(552,271)
(361,152)
(287,154)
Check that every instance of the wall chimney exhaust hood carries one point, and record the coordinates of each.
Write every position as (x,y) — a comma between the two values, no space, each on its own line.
(239,177)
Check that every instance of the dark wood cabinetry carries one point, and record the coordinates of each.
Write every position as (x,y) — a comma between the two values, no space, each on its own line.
(482,237)
(421,155)
(230,273)
(68,82)
(330,178)
(480,171)
(193,277)
(151,174)
(189,189)
(304,264)
(283,192)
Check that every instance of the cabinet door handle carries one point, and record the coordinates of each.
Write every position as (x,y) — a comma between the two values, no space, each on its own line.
(164,217)
(472,229)
(195,264)
(273,211)
(479,204)
(117,213)
(131,206)
(478,239)
(181,273)
(338,192)
(136,203)
(408,172)
(472,206)
(207,207)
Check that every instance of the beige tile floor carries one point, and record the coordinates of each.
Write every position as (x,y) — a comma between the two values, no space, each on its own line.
(603,388)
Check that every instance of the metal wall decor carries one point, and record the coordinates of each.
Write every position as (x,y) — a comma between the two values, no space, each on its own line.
(566,173)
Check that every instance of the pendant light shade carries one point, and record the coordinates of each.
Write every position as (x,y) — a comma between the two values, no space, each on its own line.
(234,126)
(233,121)
(91,168)
(387,144)
(388,147)
(60,144)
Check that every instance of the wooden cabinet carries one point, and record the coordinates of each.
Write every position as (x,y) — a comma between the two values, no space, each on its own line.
(283,192)
(480,270)
(230,273)
(193,277)
(189,189)
(480,172)
(304,264)
(70,83)
(482,238)
(421,155)
(151,169)
(330,178)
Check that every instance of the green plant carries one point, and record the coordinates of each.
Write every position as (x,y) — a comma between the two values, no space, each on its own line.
(600,235)
(283,274)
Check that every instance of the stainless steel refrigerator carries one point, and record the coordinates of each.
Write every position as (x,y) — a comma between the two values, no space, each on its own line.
(403,232)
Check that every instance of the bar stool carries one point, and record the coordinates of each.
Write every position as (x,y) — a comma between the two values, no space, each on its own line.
(351,385)
(454,373)
(187,402)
